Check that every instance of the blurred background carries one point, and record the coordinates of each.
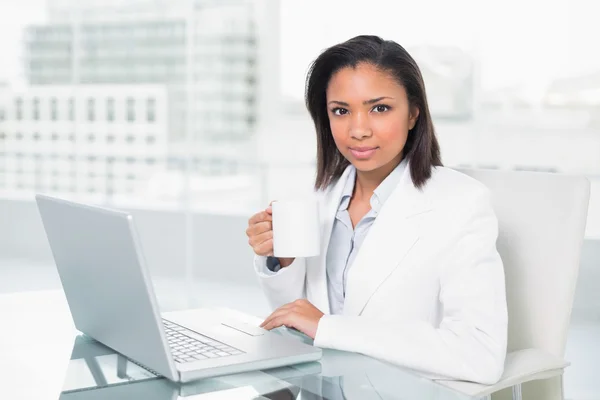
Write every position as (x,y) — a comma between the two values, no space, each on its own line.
(190,114)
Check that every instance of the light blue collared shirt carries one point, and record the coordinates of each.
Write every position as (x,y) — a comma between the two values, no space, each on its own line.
(346,241)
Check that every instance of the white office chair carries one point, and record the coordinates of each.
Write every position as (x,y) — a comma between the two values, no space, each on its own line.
(542,221)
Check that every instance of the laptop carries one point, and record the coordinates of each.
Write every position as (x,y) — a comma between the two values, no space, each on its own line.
(107,284)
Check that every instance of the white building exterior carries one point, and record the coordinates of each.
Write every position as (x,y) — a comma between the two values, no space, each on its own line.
(97,140)
(204,50)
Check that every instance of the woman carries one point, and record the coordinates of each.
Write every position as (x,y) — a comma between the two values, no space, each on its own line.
(409,271)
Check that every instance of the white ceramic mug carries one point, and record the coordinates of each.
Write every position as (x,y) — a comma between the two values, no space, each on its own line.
(296,228)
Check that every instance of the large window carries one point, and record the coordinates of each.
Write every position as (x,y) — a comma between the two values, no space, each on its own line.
(91,109)
(53,109)
(130,109)
(18,108)
(36,109)
(151,110)
(110,109)
(71,109)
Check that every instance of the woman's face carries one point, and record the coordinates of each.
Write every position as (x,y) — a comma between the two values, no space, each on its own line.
(369,117)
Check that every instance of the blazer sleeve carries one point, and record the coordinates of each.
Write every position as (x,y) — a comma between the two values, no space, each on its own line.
(470,341)
(283,286)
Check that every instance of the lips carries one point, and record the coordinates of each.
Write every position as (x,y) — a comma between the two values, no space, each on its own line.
(362,148)
(363,153)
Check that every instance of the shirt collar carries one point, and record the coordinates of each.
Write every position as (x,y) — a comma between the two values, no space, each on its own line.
(348,189)
(381,193)
(385,188)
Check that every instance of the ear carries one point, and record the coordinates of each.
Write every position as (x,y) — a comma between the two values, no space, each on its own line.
(413,117)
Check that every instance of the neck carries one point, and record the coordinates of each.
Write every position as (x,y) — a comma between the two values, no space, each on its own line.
(367,181)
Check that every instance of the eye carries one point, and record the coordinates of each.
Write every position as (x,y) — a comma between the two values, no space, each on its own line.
(381,108)
(339,111)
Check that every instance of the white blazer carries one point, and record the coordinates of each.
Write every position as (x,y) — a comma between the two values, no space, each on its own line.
(426,289)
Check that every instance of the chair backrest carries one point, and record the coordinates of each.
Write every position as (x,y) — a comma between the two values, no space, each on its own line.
(542,219)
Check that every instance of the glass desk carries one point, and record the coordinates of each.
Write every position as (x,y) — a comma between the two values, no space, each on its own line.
(44,357)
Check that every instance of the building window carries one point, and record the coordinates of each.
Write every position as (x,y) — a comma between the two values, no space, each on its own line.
(151,109)
(110,139)
(36,109)
(53,109)
(91,109)
(2,136)
(18,109)
(91,138)
(130,139)
(110,109)
(150,139)
(54,137)
(2,114)
(72,137)
(19,136)
(130,109)
(71,109)
(36,137)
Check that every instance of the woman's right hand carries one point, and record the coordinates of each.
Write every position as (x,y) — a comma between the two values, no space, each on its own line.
(260,235)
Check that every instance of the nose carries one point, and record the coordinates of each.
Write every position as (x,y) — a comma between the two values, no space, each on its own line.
(359,127)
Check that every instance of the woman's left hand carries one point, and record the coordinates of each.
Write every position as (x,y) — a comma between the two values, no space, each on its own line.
(300,315)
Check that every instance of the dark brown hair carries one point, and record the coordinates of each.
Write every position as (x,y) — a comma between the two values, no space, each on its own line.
(421,149)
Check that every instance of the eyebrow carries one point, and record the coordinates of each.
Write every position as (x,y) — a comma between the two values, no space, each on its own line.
(366,102)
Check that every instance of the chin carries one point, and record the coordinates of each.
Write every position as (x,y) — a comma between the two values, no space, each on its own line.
(365,165)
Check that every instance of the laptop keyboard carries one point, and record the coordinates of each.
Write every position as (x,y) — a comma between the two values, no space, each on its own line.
(188,349)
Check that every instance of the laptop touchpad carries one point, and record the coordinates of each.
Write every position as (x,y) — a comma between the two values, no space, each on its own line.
(244,327)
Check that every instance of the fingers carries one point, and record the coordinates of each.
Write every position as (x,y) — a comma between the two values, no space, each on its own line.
(262,243)
(264,249)
(260,232)
(282,312)
(275,320)
(276,323)
(260,217)
(260,238)
(259,228)
(263,215)
(269,209)
(256,240)
(277,313)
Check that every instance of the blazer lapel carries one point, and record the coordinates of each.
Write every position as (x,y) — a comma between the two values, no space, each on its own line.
(394,232)
(316,274)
